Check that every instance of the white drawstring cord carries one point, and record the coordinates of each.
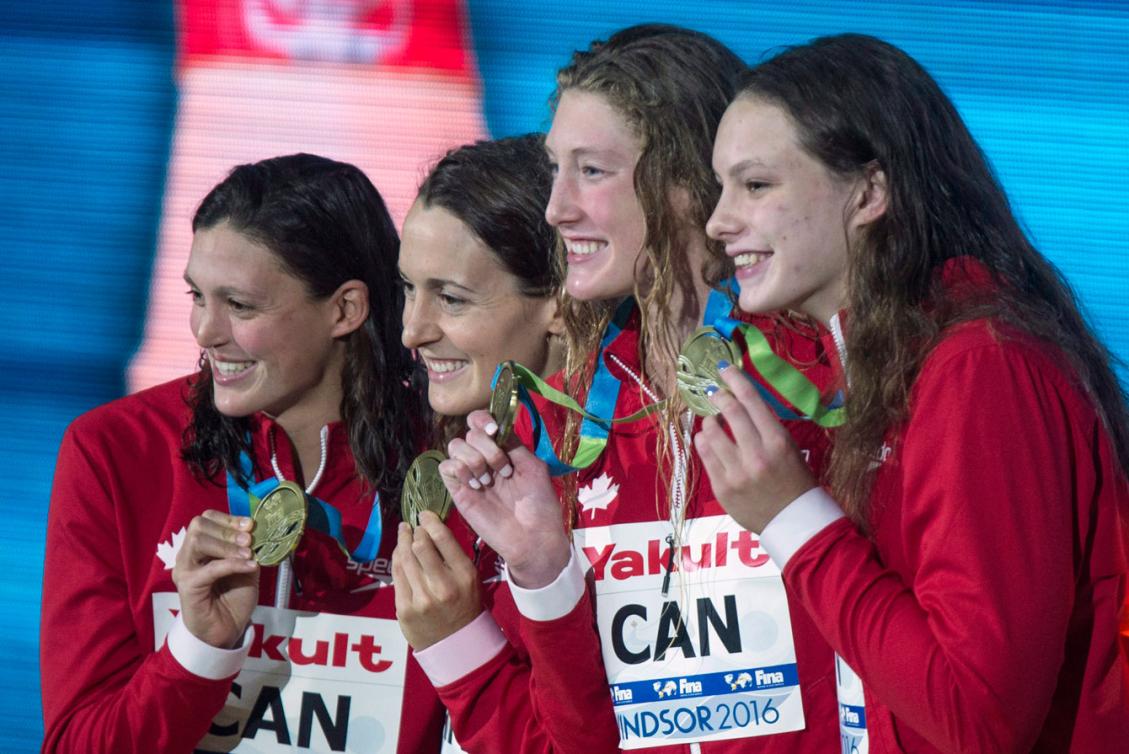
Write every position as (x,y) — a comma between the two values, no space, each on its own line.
(286,568)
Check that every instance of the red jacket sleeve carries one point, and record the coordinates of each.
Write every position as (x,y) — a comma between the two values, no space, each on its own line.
(556,699)
(103,689)
(547,690)
(959,626)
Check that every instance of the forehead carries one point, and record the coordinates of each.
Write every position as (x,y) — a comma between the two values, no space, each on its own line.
(220,252)
(753,129)
(586,121)
(435,243)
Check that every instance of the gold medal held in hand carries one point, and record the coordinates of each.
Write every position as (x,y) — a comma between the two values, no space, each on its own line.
(424,489)
(503,402)
(697,367)
(280,518)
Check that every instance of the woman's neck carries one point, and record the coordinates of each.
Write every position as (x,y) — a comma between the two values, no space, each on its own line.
(304,433)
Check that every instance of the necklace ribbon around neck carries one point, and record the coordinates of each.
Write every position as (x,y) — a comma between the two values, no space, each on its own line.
(596,414)
(788,382)
(322,516)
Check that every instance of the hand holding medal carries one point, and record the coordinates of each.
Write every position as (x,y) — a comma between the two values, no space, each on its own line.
(759,471)
(216,577)
(423,486)
(507,498)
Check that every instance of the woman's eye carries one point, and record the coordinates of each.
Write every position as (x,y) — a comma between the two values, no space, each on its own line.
(452,301)
(408,288)
(238,306)
(755,186)
(196,296)
(591,171)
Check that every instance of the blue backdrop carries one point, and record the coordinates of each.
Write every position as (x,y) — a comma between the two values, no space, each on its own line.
(87,107)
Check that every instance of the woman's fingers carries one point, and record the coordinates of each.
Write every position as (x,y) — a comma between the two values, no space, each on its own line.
(717,450)
(402,551)
(740,385)
(214,570)
(404,557)
(483,420)
(497,461)
(446,546)
(215,535)
(465,464)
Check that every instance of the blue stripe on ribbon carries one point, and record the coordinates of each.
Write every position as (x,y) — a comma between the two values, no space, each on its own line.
(321,516)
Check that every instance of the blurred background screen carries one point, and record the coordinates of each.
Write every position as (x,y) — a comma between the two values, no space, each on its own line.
(116,116)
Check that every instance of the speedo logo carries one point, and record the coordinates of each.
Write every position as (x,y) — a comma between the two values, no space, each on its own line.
(620,563)
(339,651)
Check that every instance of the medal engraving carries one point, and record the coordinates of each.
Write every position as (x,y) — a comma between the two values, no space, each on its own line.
(697,367)
(424,489)
(503,403)
(280,518)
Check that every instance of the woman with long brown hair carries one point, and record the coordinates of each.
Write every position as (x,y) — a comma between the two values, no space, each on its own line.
(171,622)
(975,580)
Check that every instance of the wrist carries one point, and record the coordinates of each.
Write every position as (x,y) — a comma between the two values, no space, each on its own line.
(542,567)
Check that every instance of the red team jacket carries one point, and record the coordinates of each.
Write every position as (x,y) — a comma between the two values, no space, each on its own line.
(982,613)
(327,671)
(622,498)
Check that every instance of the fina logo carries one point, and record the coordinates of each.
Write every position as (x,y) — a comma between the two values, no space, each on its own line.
(683,687)
(742,680)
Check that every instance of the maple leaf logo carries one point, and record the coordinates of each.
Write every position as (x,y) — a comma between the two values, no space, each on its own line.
(598,495)
(167,551)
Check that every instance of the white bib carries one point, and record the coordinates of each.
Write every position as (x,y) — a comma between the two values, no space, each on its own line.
(714,659)
(312,682)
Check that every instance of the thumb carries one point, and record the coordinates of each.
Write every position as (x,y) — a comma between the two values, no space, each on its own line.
(525,459)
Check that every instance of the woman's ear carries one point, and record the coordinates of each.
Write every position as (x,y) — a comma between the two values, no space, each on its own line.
(350,307)
(556,318)
(871,199)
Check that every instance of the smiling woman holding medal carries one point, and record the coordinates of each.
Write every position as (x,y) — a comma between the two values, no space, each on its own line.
(975,580)
(481,287)
(702,648)
(170,622)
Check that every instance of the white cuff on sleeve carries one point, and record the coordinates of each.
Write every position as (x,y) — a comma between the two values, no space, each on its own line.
(201,658)
(469,648)
(798,522)
(555,600)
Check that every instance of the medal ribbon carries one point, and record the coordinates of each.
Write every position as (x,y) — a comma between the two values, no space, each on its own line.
(784,378)
(322,516)
(602,398)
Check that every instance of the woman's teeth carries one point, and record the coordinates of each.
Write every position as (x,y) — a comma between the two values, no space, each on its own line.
(584,248)
(228,368)
(751,257)
(442,367)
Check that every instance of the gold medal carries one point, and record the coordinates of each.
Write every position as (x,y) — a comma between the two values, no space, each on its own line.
(280,518)
(424,489)
(503,402)
(697,367)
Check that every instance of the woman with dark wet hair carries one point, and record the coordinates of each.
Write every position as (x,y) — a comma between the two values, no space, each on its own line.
(161,629)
